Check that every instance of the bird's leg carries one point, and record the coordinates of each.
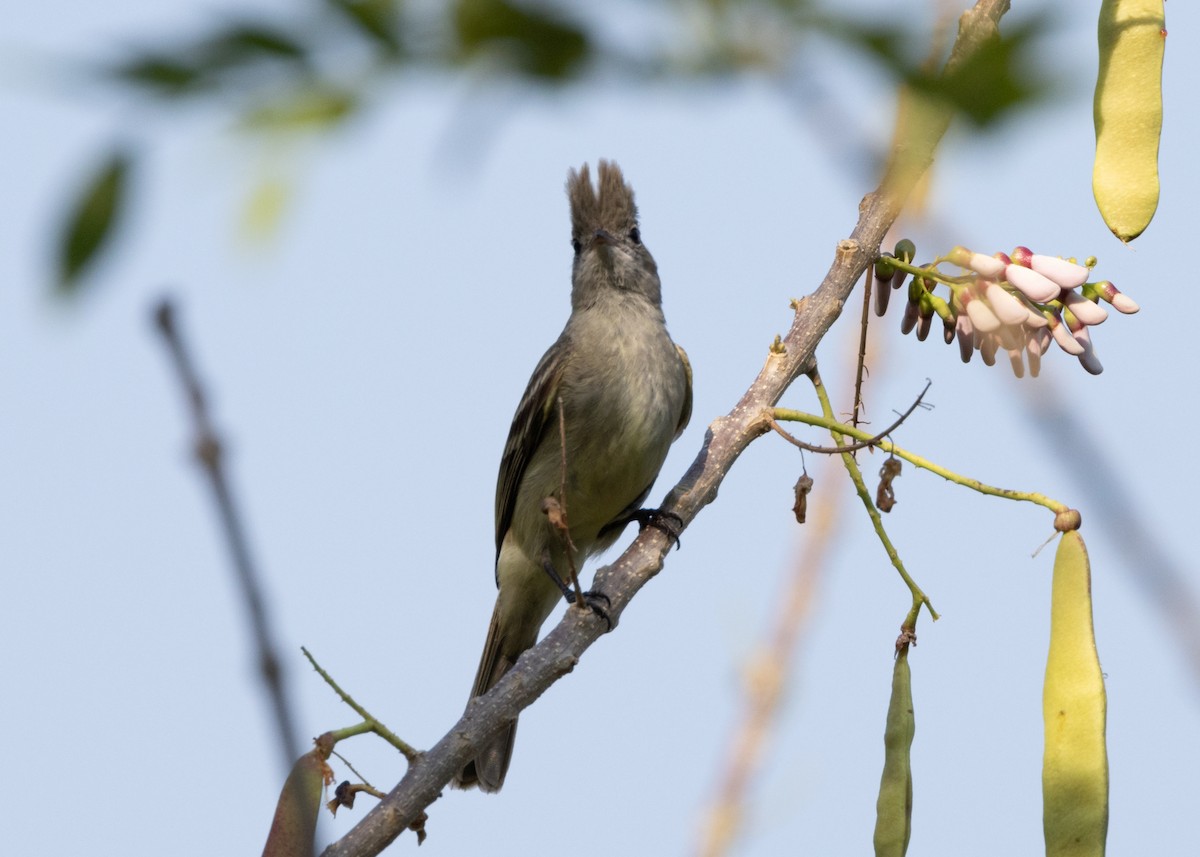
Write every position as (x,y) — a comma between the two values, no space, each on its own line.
(668,523)
(584,600)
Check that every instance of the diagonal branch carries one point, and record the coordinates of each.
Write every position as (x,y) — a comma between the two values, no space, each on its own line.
(209,455)
(726,439)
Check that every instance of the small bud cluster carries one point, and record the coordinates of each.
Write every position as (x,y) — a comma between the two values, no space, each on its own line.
(1017,303)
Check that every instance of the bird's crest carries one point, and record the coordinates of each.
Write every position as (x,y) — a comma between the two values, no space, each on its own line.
(612,208)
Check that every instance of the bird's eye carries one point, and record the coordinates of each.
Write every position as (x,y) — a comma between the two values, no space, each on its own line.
(576,246)
(635,235)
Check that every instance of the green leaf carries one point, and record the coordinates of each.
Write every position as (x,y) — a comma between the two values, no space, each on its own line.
(95,213)
(377,19)
(313,108)
(537,43)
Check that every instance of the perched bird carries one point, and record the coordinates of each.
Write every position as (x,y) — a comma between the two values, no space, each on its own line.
(625,393)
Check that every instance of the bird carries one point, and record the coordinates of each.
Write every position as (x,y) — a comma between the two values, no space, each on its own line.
(590,434)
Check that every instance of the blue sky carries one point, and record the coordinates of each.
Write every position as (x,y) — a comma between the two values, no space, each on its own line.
(364,363)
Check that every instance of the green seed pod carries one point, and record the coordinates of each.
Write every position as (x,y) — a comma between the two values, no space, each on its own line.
(893,809)
(1075,763)
(1128,114)
(906,250)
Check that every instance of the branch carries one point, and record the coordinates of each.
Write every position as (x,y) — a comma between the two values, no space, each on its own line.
(209,454)
(726,439)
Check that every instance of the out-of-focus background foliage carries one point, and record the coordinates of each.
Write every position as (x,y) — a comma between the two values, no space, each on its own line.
(359,206)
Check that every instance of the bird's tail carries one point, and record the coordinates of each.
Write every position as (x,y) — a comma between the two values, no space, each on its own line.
(488,769)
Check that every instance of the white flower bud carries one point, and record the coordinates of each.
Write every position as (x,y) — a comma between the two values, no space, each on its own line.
(986,266)
(1064,273)
(1007,308)
(1083,309)
(982,318)
(1031,284)
(1063,337)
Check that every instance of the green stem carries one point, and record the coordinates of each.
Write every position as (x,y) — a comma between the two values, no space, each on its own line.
(829,424)
(370,724)
(918,596)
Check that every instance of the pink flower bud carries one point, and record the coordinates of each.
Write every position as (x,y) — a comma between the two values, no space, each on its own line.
(1087,359)
(966,338)
(1120,301)
(982,318)
(909,320)
(1083,309)
(1031,284)
(1018,363)
(1035,319)
(1035,364)
(1006,308)
(1022,256)
(985,266)
(987,350)
(1066,274)
(1063,337)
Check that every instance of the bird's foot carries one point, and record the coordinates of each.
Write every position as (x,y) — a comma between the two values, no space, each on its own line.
(592,601)
(668,523)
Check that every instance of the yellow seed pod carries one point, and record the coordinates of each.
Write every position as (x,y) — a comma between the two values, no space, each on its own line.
(1128,114)
(1075,764)
(893,809)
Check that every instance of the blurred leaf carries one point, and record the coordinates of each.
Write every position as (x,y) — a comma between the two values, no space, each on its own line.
(312,108)
(990,83)
(378,19)
(539,44)
(265,207)
(198,66)
(171,77)
(90,224)
(995,78)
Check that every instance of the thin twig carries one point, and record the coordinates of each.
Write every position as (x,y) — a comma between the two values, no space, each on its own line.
(871,441)
(919,598)
(864,323)
(370,722)
(209,455)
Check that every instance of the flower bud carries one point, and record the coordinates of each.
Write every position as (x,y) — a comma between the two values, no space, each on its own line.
(966,338)
(1063,337)
(1083,309)
(1066,274)
(1022,256)
(982,318)
(909,320)
(987,350)
(1018,364)
(906,250)
(1006,308)
(1120,301)
(1031,284)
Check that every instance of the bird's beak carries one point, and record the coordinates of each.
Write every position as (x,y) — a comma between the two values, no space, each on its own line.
(603,238)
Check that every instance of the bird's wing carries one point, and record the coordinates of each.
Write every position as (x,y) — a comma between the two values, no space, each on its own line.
(686,413)
(535,415)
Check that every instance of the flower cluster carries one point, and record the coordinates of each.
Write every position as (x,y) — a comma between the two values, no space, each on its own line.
(1017,303)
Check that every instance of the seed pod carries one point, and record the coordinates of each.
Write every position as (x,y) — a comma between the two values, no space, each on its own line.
(1128,114)
(893,809)
(1075,762)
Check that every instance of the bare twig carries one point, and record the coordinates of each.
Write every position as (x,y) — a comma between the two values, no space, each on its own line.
(872,441)
(370,722)
(209,455)
(727,437)
(864,324)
